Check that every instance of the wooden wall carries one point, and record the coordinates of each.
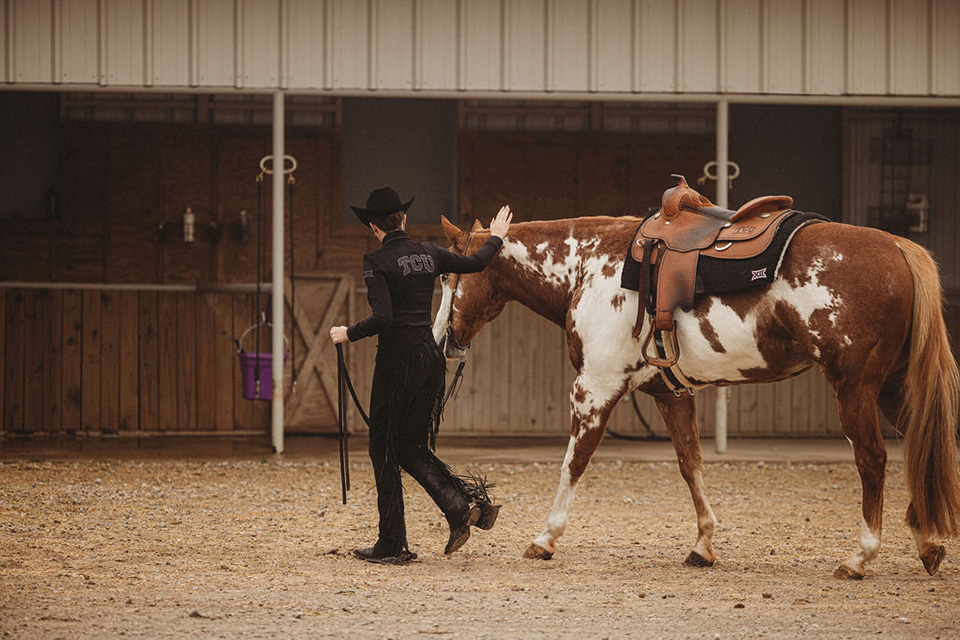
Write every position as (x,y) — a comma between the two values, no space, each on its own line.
(544,176)
(122,181)
(120,361)
(102,362)
(117,362)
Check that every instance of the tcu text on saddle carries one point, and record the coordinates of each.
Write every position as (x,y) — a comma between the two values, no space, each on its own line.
(878,341)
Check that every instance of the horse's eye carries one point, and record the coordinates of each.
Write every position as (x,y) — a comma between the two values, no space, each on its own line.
(443,278)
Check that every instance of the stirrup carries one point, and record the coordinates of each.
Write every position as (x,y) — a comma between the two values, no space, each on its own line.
(655,360)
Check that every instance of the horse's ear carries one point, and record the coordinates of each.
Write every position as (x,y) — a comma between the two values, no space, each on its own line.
(452,231)
(476,226)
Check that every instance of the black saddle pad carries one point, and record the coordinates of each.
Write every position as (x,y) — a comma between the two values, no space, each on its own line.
(717,275)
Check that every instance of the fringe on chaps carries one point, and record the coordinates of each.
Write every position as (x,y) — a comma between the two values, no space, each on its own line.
(405,410)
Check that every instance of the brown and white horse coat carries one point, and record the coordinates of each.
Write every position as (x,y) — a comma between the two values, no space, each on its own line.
(844,300)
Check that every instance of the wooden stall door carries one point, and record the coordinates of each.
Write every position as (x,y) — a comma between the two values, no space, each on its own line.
(320,302)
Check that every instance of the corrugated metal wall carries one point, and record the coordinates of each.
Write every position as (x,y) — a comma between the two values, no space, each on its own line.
(820,47)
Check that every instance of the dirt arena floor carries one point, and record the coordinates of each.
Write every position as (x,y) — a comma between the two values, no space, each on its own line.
(229,540)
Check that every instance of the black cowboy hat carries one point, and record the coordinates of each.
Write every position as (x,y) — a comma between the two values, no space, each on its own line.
(382,202)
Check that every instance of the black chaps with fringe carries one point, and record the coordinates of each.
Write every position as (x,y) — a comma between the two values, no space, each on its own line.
(405,406)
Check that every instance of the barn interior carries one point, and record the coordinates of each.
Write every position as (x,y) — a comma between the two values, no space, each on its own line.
(117,321)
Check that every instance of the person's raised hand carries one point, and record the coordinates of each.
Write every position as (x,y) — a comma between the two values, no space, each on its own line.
(500,225)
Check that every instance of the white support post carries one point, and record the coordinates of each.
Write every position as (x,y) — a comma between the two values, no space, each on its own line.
(723,157)
(276,420)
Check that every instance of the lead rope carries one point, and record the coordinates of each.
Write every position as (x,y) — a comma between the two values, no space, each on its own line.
(343,380)
(455,384)
(343,385)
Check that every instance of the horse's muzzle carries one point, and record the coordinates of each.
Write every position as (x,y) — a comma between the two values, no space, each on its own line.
(452,349)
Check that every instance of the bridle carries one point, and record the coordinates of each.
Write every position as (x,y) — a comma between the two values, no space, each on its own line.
(448,337)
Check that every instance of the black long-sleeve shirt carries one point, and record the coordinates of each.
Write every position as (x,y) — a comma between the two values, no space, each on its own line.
(400,280)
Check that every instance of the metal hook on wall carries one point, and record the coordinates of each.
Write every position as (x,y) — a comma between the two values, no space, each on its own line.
(733,172)
(265,159)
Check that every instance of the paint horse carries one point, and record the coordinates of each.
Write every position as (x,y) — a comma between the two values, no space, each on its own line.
(861,304)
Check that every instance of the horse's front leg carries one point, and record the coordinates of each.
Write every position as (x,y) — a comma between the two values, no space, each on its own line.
(590,410)
(680,414)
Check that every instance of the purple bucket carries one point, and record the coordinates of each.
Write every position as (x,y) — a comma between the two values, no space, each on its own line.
(248,363)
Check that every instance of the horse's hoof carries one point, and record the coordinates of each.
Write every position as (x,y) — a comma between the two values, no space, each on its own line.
(697,560)
(932,557)
(843,572)
(536,552)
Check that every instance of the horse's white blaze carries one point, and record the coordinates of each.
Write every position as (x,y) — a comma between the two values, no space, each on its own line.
(443,314)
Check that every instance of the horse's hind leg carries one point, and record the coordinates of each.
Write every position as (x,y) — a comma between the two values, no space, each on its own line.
(590,412)
(861,424)
(680,414)
(931,551)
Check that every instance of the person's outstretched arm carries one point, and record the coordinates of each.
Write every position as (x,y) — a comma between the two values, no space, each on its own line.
(450,262)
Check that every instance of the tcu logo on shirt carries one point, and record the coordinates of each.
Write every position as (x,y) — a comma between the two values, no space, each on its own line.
(415,263)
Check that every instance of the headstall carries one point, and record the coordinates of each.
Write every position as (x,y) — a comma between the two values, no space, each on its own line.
(448,337)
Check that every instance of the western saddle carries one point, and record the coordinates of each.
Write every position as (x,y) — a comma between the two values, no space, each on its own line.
(669,243)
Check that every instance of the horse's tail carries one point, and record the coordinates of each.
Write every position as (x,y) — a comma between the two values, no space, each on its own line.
(931,398)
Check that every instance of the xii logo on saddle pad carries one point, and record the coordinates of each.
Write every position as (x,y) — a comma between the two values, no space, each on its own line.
(758,274)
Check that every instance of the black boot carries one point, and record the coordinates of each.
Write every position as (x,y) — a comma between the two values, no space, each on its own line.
(460,528)
(488,515)
(477,489)
(385,552)
(446,490)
